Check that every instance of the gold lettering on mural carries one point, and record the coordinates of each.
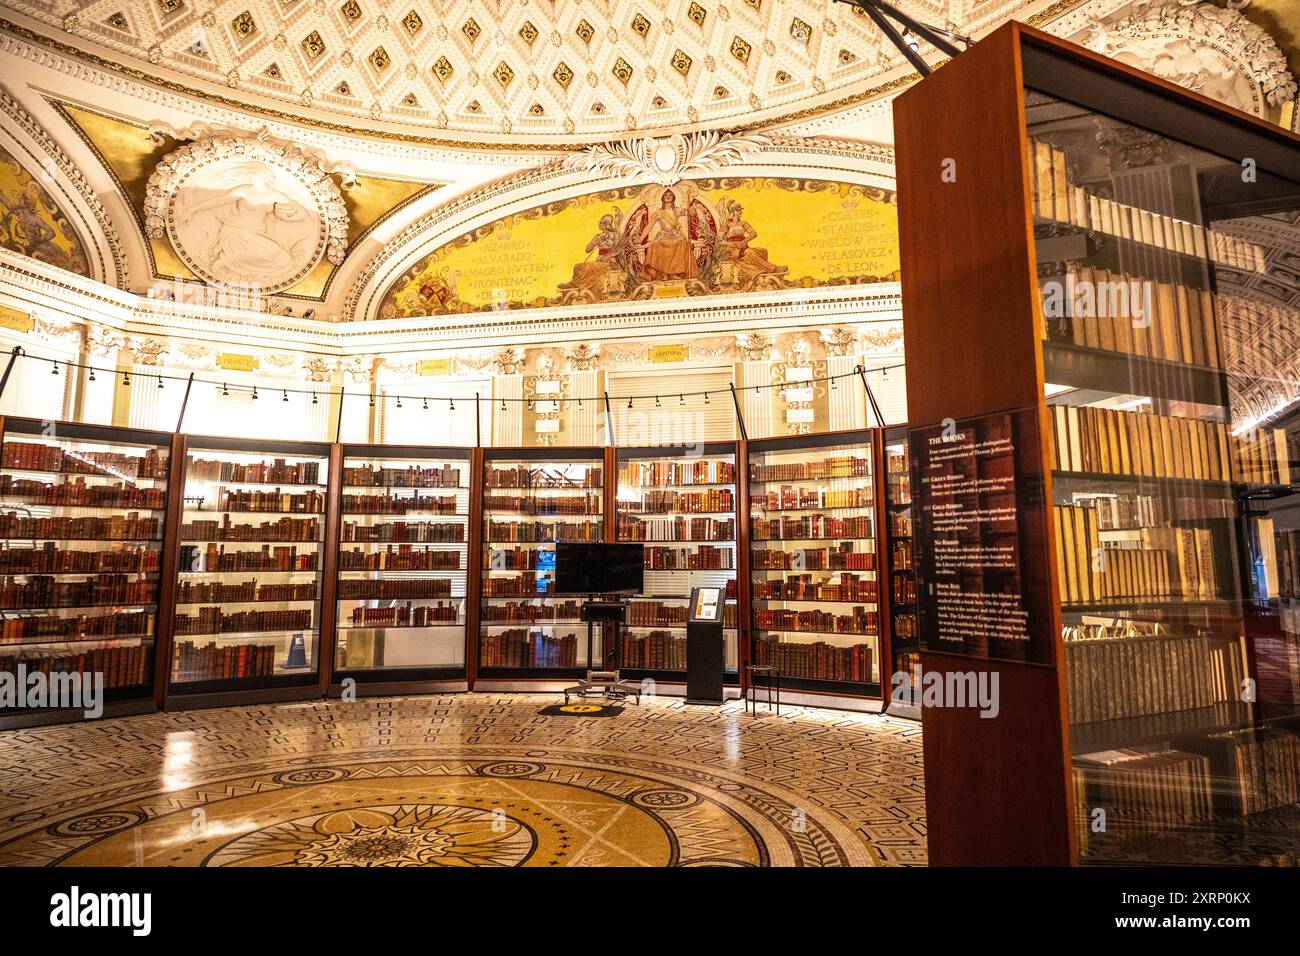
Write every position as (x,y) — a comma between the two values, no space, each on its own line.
(669,353)
(232,362)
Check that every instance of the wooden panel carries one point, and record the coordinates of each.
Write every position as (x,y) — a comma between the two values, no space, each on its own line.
(474,560)
(329,608)
(884,578)
(744,584)
(169,578)
(997,789)
(968,274)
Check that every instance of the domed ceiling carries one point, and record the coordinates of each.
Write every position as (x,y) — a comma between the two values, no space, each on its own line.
(507,70)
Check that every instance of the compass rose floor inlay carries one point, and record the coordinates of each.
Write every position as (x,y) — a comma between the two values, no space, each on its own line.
(465,780)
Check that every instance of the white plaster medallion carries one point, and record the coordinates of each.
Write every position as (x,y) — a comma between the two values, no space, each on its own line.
(247,211)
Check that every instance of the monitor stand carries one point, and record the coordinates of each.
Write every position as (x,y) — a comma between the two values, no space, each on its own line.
(602,683)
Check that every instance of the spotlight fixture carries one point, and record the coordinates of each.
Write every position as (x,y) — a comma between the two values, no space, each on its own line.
(425,404)
(629,403)
(126,379)
(503,404)
(225,392)
(579,404)
(254,393)
(54,369)
(372,401)
(451,404)
(313,399)
(656,401)
(92,375)
(399,401)
(160,384)
(706,398)
(286,395)
(681,400)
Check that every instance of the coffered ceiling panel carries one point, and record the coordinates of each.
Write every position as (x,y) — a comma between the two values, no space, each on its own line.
(592,68)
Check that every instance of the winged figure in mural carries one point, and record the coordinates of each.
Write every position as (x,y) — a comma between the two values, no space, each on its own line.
(670,241)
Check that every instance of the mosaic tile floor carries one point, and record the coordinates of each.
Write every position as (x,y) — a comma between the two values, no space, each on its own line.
(465,780)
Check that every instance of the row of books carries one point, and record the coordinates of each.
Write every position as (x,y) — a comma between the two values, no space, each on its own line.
(36,456)
(56,560)
(413,476)
(531,612)
(900,555)
(815,661)
(663,473)
(525,648)
(843,558)
(406,615)
(900,523)
(657,650)
(214,557)
(905,625)
(1256,768)
(239,499)
(705,557)
(664,614)
(260,472)
(1056,196)
(586,504)
(523,585)
(361,589)
(540,531)
(283,529)
(215,620)
(681,502)
(836,466)
(805,587)
(130,526)
(19,630)
(902,589)
(123,665)
(811,527)
(1112,676)
(245,592)
(787,498)
(540,476)
(1161,563)
(101,590)
(1110,441)
(1141,789)
(860,620)
(194,662)
(401,557)
(517,559)
(416,532)
(77,492)
(1286,545)
(1099,309)
(392,504)
(677,528)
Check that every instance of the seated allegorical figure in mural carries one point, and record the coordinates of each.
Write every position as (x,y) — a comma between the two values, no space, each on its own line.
(606,274)
(31,224)
(739,263)
(670,242)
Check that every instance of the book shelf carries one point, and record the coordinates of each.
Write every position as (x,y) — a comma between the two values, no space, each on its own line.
(897,559)
(681,504)
(530,500)
(815,612)
(403,560)
(1148,716)
(82,523)
(251,561)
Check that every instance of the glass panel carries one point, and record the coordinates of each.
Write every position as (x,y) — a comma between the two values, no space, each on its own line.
(1169,351)
(813,564)
(902,569)
(248,594)
(683,508)
(403,555)
(81,528)
(528,505)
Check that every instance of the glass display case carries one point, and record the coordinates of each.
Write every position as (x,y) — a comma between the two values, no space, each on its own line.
(1168,288)
(248,591)
(531,500)
(402,564)
(681,504)
(813,566)
(82,516)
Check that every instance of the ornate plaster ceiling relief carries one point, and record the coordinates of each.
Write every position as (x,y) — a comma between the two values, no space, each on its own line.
(1209,49)
(247,211)
(666,160)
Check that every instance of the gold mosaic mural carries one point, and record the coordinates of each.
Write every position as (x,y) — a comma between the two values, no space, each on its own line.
(32,223)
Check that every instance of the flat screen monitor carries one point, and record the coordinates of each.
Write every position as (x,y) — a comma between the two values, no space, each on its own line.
(591,568)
